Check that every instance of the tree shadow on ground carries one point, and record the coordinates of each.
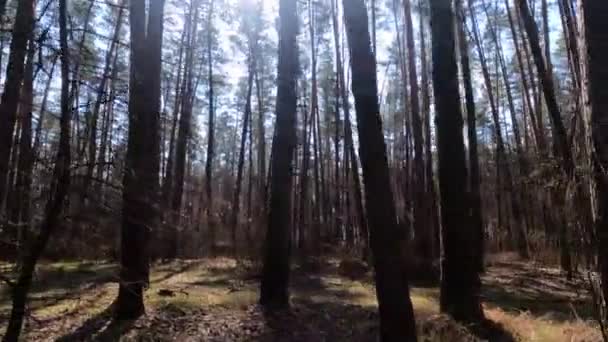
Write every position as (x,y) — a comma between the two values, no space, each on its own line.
(518,287)
(54,284)
(67,278)
(443,328)
(101,327)
(339,321)
(171,270)
(491,331)
(310,320)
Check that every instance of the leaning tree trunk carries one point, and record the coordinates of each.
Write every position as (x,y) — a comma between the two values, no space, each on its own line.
(92,144)
(387,239)
(460,283)
(59,191)
(22,30)
(560,138)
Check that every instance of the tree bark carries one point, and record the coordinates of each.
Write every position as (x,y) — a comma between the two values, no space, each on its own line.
(474,176)
(236,204)
(387,240)
(460,283)
(183,135)
(22,31)
(92,144)
(21,213)
(274,292)
(210,133)
(539,137)
(140,212)
(560,139)
(593,16)
(59,190)
(423,237)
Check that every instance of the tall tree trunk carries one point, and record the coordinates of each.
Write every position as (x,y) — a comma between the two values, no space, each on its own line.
(474,177)
(140,212)
(349,147)
(59,190)
(319,177)
(336,210)
(92,144)
(42,112)
(560,139)
(518,203)
(502,165)
(210,133)
(387,239)
(274,292)
(22,31)
(236,203)
(539,137)
(20,216)
(546,35)
(106,140)
(183,135)
(429,172)
(167,187)
(595,50)
(308,131)
(423,236)
(460,283)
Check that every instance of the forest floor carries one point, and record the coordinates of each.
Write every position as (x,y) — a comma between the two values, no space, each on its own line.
(215,300)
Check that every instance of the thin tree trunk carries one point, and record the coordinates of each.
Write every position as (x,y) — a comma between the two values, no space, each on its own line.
(167,187)
(106,140)
(474,176)
(560,139)
(210,133)
(423,236)
(42,112)
(236,203)
(22,31)
(429,173)
(59,191)
(516,201)
(547,36)
(92,144)
(21,213)
(336,210)
(539,137)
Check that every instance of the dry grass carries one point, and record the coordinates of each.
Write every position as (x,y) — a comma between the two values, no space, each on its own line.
(214,296)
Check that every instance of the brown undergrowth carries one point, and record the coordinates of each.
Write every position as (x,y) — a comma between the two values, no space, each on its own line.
(215,300)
